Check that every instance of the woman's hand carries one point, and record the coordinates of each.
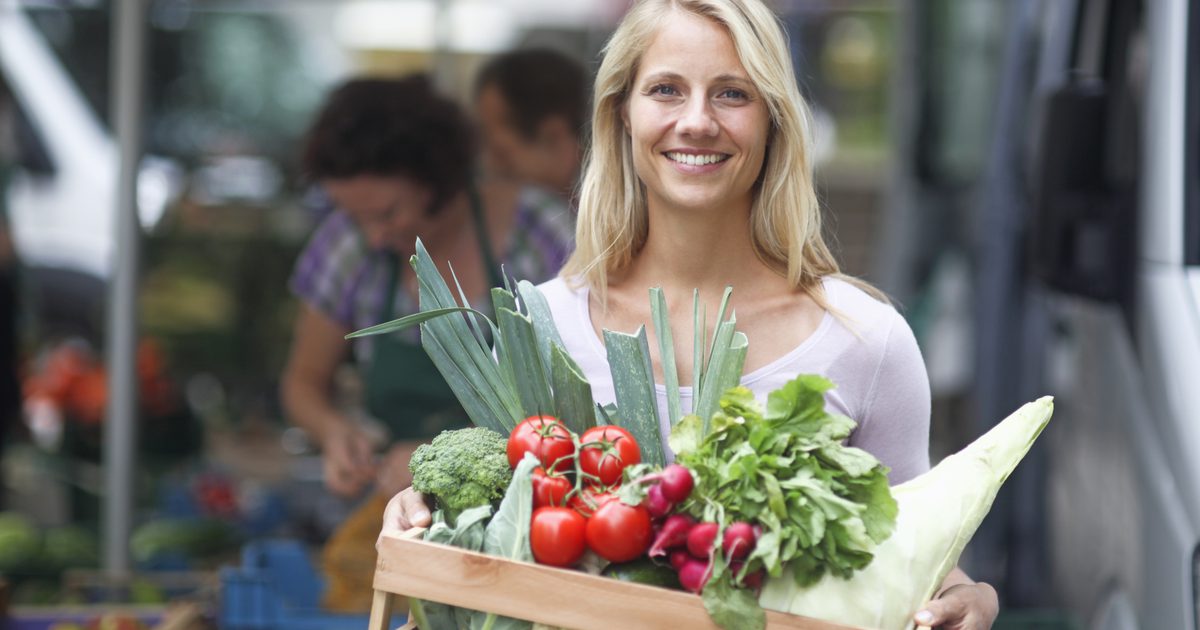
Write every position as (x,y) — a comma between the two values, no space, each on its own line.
(961,607)
(348,460)
(404,512)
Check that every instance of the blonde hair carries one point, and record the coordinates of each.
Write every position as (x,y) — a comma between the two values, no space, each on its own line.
(785,217)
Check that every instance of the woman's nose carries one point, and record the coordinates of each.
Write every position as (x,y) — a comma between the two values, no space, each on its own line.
(697,119)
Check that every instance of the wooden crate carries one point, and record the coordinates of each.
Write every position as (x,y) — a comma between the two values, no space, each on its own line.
(413,568)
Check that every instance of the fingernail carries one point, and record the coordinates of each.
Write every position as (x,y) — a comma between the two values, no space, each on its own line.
(420,516)
(925,617)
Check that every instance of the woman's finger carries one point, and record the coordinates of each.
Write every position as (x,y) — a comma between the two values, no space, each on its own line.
(415,511)
(961,607)
(404,511)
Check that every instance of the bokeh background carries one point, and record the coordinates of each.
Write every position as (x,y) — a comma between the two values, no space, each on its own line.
(930,160)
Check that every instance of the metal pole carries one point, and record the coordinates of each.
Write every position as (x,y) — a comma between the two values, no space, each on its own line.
(120,427)
(444,70)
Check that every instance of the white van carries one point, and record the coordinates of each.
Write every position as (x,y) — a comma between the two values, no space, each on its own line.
(61,196)
(1117,238)
(1091,227)
(229,88)
(1080,219)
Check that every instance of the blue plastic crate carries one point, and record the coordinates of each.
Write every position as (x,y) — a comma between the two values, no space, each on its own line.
(277,588)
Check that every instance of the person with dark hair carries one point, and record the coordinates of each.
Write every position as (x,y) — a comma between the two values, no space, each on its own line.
(532,106)
(396,158)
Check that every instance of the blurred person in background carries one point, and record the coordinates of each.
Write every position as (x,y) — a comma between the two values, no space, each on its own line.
(532,107)
(396,159)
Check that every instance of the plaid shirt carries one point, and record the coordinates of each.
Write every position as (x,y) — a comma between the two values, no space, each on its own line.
(340,276)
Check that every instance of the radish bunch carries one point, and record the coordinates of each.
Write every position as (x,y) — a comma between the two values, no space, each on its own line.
(690,547)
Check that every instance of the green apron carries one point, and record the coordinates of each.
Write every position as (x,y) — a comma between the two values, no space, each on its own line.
(403,388)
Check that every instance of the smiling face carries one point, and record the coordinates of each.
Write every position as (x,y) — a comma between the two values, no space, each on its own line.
(390,211)
(698,126)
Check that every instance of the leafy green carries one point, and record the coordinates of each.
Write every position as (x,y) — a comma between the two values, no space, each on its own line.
(468,533)
(508,537)
(732,607)
(823,506)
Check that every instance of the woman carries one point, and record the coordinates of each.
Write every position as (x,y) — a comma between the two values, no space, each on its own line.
(395,158)
(700,177)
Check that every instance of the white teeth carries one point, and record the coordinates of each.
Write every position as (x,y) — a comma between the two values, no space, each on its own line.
(692,159)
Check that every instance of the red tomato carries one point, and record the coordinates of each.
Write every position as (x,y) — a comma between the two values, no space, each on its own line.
(557,535)
(590,498)
(619,532)
(606,451)
(549,489)
(545,437)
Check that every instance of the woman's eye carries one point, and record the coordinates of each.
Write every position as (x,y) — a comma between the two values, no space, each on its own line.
(735,94)
(662,90)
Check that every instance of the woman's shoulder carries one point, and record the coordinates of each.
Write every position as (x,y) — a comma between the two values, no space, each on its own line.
(561,292)
(567,299)
(859,310)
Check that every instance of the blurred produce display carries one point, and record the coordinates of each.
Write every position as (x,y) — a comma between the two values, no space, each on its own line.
(66,391)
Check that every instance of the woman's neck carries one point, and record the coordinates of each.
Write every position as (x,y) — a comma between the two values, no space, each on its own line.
(706,249)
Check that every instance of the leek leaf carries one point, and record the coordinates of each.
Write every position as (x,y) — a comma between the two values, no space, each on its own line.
(572,393)
(633,383)
(666,353)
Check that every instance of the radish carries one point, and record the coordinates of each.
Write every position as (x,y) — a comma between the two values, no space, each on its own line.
(673,533)
(678,558)
(676,483)
(701,538)
(754,579)
(694,575)
(656,504)
(738,541)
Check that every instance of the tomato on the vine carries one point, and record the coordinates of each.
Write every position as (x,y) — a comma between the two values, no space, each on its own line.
(549,489)
(590,498)
(557,536)
(606,451)
(618,532)
(546,438)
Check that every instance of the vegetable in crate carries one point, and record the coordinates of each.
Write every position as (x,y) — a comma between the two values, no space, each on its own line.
(462,469)
(547,438)
(822,506)
(939,511)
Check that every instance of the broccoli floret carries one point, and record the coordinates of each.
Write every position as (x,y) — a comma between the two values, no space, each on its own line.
(462,469)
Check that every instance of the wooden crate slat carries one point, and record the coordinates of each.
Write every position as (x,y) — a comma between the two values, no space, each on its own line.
(535,592)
